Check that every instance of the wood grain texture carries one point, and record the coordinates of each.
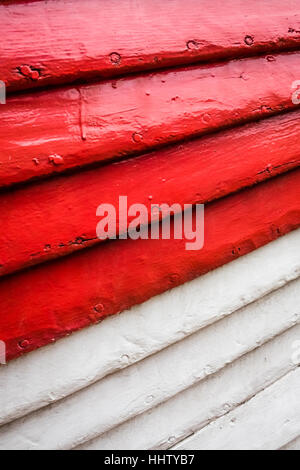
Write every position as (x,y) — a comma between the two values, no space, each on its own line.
(194,172)
(192,409)
(51,131)
(266,422)
(52,300)
(70,40)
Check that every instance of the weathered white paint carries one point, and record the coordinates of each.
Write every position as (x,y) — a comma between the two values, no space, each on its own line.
(263,423)
(293,445)
(140,387)
(89,355)
(192,409)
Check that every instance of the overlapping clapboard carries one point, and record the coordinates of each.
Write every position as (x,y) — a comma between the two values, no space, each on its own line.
(195,108)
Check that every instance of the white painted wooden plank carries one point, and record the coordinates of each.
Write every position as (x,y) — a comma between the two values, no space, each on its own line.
(293,445)
(140,387)
(265,422)
(93,353)
(192,409)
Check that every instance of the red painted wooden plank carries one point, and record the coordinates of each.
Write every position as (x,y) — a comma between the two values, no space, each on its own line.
(49,132)
(56,298)
(58,41)
(53,218)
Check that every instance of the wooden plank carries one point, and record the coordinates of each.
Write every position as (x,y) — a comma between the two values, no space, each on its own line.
(104,280)
(52,131)
(184,414)
(255,425)
(123,340)
(156,379)
(194,172)
(71,40)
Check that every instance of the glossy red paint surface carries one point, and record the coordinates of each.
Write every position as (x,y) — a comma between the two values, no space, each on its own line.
(57,41)
(48,132)
(55,217)
(49,301)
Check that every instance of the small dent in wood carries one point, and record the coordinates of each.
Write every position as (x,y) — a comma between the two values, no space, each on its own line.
(24,344)
(99,308)
(192,45)
(56,160)
(136,137)
(30,72)
(293,30)
(115,58)
(249,40)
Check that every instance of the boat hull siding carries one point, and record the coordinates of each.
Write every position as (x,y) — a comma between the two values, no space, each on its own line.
(150,225)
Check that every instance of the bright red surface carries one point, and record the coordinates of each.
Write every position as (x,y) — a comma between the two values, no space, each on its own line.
(58,216)
(58,41)
(48,132)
